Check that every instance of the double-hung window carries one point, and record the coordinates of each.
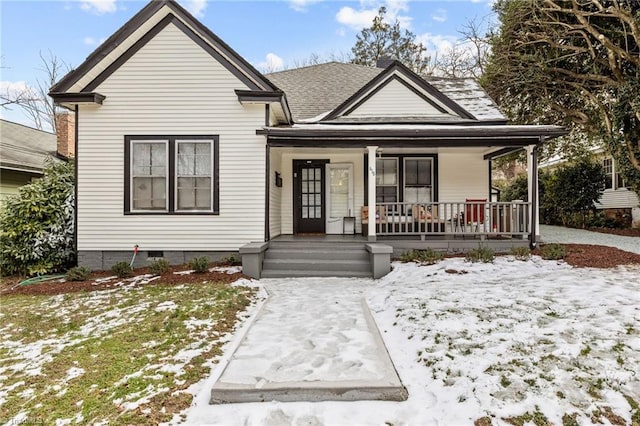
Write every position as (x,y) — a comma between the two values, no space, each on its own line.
(149,175)
(386,180)
(418,178)
(607,165)
(613,178)
(171,174)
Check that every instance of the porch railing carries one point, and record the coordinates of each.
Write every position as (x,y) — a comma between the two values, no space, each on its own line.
(472,218)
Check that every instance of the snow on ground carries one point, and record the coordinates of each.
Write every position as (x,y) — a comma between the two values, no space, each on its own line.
(559,234)
(308,347)
(497,340)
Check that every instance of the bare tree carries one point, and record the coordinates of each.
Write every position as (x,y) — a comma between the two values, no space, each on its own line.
(467,58)
(34,100)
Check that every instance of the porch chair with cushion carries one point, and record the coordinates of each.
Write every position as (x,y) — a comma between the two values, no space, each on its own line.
(381,217)
(474,212)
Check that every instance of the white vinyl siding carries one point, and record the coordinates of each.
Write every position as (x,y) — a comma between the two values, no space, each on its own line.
(170,87)
(618,199)
(461,176)
(275,194)
(395,100)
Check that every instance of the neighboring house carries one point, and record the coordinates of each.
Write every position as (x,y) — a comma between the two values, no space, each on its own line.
(185,149)
(23,151)
(617,200)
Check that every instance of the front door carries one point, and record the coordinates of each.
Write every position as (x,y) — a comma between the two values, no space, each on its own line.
(308,196)
(339,196)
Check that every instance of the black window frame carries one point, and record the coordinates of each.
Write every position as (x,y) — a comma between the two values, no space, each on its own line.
(400,171)
(171,174)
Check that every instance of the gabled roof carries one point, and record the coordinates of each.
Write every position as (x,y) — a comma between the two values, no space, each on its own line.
(25,148)
(396,72)
(137,32)
(315,91)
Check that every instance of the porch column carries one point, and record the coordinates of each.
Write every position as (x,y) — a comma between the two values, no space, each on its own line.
(533,193)
(371,192)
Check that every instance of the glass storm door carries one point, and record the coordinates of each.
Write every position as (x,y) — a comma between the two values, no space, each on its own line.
(339,195)
(309,196)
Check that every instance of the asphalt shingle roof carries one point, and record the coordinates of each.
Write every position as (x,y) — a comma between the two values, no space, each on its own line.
(317,89)
(23,147)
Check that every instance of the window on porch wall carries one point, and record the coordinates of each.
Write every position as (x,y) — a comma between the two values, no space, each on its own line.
(386,180)
(418,180)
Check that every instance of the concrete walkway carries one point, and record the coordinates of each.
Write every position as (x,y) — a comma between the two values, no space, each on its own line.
(559,234)
(313,340)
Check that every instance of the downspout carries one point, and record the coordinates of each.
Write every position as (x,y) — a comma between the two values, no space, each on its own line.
(534,194)
(75,189)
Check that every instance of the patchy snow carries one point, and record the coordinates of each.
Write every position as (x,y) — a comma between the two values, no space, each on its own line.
(227,269)
(562,235)
(169,305)
(73,372)
(500,340)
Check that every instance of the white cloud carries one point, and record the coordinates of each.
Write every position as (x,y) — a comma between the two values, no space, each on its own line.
(271,63)
(358,19)
(301,5)
(99,7)
(92,41)
(195,7)
(437,44)
(440,15)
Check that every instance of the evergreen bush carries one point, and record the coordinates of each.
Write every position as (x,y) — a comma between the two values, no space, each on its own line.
(159,267)
(78,273)
(481,254)
(122,269)
(37,235)
(199,264)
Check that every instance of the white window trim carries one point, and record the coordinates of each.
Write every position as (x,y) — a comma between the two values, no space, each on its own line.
(211,143)
(404,174)
(132,176)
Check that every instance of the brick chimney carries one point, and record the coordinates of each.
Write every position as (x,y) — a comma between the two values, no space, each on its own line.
(66,132)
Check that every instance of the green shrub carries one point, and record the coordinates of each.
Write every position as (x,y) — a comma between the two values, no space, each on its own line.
(199,264)
(232,260)
(37,224)
(78,273)
(424,257)
(159,266)
(481,254)
(122,269)
(552,251)
(521,253)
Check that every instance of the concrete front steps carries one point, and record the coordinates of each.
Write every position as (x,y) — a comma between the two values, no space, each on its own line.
(316,259)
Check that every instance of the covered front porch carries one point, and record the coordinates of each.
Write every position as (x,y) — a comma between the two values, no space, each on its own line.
(391,193)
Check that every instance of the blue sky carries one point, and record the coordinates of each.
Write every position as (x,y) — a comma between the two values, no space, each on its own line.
(269,34)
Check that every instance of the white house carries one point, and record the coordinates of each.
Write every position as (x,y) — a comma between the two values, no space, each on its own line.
(183,148)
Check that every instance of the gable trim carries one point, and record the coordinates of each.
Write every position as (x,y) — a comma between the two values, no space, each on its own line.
(169,19)
(108,46)
(387,82)
(415,78)
(236,62)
